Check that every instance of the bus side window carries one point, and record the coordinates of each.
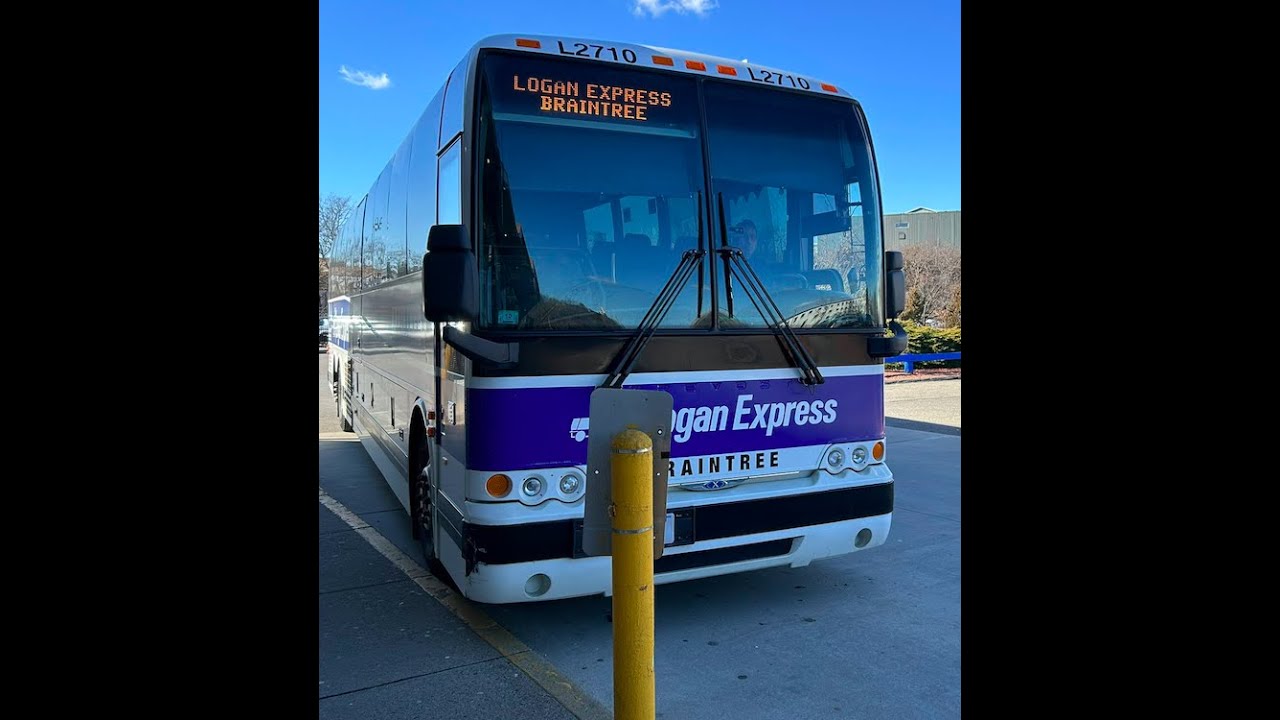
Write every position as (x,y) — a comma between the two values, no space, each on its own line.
(449,205)
(423,165)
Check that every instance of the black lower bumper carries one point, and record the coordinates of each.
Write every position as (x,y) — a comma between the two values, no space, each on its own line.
(499,544)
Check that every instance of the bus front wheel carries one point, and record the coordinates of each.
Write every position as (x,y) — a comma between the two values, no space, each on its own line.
(423,510)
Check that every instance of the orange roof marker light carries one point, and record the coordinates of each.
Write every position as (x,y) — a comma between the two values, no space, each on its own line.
(535,44)
(829,88)
(695,65)
(727,70)
(663,60)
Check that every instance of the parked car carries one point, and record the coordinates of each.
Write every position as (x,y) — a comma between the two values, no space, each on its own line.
(324,331)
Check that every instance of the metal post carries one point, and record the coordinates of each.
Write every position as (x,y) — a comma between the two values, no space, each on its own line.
(631,465)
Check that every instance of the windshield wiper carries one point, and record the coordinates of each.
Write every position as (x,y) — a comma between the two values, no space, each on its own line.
(750,281)
(689,261)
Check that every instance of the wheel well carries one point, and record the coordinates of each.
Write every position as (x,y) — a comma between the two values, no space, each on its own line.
(418,429)
(417,436)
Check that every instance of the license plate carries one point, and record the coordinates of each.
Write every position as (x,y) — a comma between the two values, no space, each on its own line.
(669,534)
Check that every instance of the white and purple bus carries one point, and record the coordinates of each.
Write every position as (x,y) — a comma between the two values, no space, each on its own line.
(570,214)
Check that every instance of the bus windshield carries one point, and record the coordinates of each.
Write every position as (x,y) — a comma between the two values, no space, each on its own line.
(590,180)
(794,177)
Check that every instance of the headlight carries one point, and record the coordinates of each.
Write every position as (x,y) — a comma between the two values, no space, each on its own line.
(835,457)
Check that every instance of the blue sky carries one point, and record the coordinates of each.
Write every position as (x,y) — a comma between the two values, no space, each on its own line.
(382,61)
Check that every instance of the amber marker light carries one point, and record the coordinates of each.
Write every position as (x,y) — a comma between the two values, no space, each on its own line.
(498,485)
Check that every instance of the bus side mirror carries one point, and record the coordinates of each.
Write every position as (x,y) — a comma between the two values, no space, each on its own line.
(895,284)
(449,277)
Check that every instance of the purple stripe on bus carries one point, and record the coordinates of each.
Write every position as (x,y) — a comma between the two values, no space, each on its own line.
(543,427)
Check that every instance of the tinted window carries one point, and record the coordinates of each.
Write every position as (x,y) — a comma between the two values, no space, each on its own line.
(375,258)
(449,209)
(397,211)
(589,179)
(799,199)
(455,93)
(422,182)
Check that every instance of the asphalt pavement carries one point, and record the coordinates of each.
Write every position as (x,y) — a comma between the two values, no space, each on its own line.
(930,405)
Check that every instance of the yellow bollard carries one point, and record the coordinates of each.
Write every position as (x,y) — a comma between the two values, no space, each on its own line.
(631,465)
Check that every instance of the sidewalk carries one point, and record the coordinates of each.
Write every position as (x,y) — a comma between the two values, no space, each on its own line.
(391,649)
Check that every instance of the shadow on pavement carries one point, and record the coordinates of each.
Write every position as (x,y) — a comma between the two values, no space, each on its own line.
(925,426)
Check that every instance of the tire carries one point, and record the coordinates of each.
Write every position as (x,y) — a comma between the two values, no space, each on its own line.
(342,417)
(346,424)
(424,513)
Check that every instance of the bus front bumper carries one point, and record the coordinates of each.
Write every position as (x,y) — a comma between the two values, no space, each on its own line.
(544,561)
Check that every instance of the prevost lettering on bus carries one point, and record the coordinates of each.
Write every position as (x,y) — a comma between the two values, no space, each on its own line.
(585,98)
(710,419)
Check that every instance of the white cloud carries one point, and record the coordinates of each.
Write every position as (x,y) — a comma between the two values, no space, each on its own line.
(359,77)
(656,8)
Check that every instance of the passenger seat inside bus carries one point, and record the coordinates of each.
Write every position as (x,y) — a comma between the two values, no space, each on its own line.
(825,276)
(602,259)
(637,261)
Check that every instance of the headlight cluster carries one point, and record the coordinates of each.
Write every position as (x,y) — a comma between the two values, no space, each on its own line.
(856,456)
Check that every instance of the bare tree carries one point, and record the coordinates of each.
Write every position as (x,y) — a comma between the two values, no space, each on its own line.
(933,281)
(334,210)
(374,256)
(841,251)
(951,318)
